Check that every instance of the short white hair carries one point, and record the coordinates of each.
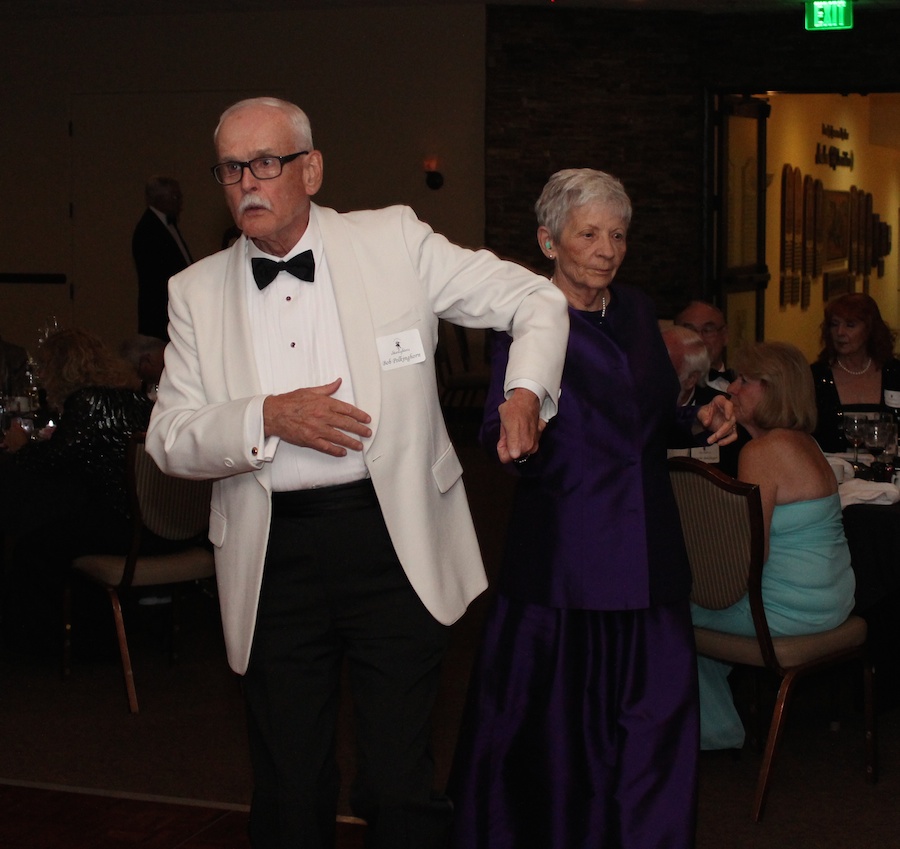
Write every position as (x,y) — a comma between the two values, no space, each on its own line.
(687,352)
(295,115)
(573,188)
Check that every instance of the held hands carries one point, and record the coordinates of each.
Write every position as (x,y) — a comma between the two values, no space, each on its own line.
(718,416)
(312,418)
(520,426)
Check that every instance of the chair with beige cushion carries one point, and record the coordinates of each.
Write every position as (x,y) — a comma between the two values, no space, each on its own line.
(172,508)
(724,533)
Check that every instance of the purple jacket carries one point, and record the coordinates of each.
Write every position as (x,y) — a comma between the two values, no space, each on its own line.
(594,524)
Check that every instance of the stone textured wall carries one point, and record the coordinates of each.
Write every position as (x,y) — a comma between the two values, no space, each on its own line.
(627,92)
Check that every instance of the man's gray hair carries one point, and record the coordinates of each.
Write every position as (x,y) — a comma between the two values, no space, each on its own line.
(687,352)
(160,188)
(297,117)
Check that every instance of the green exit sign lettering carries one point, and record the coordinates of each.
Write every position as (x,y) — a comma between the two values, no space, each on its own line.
(829,14)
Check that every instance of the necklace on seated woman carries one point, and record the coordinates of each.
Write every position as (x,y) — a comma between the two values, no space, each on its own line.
(863,370)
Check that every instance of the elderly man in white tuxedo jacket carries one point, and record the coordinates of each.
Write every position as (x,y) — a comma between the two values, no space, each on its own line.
(339,518)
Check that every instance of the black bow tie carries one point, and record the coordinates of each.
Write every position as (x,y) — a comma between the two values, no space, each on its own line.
(302,266)
(728,374)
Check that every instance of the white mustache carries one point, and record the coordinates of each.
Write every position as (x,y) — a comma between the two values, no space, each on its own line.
(253,200)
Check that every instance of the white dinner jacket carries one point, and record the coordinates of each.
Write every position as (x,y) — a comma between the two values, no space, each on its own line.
(391,273)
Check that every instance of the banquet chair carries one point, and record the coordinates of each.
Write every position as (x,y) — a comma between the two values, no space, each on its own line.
(722,521)
(174,509)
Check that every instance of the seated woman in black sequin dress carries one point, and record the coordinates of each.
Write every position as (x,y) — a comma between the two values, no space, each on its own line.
(66,495)
(856,369)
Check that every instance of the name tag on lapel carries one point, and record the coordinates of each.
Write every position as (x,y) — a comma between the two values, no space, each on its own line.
(400,349)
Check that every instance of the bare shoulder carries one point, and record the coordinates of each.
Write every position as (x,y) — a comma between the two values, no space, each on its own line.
(792,459)
(777,449)
(757,459)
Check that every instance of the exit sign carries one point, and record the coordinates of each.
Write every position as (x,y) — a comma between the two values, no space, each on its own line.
(829,14)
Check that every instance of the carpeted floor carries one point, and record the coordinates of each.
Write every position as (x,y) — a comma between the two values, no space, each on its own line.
(188,741)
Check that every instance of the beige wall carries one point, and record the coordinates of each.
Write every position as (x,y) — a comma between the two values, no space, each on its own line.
(794,130)
(384,88)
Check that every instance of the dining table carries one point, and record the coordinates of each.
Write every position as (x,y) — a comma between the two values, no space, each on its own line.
(871,513)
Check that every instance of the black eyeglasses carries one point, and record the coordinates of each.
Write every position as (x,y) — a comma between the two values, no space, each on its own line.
(708,329)
(263,168)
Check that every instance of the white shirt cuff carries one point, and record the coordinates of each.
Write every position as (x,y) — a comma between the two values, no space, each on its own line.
(262,449)
(548,405)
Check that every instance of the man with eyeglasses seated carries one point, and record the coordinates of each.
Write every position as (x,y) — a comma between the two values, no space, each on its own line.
(708,321)
(690,359)
(300,376)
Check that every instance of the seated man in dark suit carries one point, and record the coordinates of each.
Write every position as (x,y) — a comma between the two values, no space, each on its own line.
(690,358)
(709,322)
(159,252)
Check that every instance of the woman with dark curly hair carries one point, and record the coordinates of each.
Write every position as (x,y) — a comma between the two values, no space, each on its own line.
(66,495)
(856,369)
(100,407)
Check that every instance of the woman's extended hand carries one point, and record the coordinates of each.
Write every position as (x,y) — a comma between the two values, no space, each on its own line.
(718,417)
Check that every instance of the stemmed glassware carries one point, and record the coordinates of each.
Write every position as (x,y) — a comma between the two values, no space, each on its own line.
(50,326)
(855,432)
(890,449)
(876,437)
(881,436)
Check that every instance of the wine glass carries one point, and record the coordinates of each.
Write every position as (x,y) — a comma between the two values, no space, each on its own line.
(855,432)
(890,449)
(877,434)
(881,436)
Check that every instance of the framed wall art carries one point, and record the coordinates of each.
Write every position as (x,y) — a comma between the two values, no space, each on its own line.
(836,283)
(836,214)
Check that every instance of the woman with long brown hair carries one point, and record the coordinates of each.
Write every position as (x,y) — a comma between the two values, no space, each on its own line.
(856,370)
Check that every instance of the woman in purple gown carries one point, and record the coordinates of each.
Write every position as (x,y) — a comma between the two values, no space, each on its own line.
(581,728)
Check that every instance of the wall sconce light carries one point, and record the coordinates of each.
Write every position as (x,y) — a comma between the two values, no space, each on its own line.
(433,178)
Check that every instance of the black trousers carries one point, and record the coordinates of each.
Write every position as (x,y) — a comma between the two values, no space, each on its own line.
(333,589)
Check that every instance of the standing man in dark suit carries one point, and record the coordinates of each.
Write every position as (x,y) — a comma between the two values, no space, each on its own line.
(13,369)
(159,252)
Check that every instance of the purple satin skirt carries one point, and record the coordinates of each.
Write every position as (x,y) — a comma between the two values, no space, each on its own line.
(581,731)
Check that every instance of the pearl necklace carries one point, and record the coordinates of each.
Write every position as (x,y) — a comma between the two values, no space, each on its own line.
(850,371)
(602,303)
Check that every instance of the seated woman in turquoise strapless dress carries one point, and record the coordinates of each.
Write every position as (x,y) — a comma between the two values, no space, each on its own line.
(807,582)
